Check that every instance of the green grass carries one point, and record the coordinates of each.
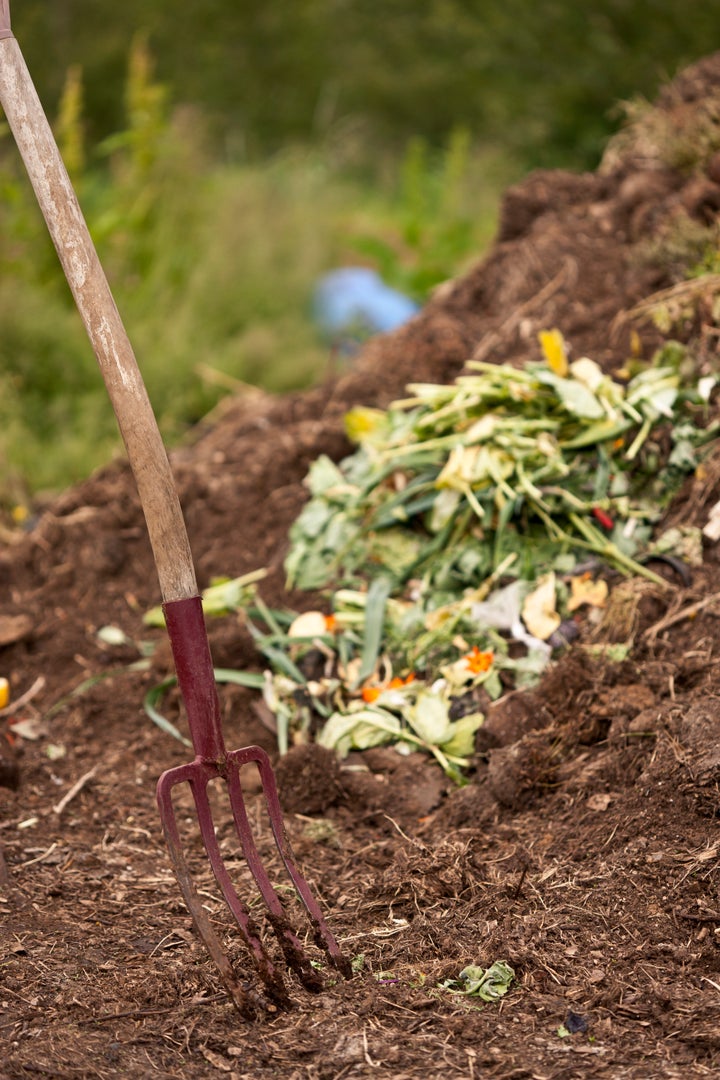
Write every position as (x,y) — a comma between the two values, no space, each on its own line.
(212,266)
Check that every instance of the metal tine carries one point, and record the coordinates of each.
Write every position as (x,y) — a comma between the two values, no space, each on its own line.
(269,973)
(321,933)
(292,949)
(246,1001)
(198,775)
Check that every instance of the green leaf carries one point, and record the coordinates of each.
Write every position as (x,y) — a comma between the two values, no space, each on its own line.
(223,596)
(307,567)
(154,617)
(489,984)
(252,679)
(359,730)
(279,660)
(461,735)
(444,508)
(232,594)
(313,518)
(601,432)
(428,718)
(324,475)
(395,549)
(577,398)
(377,596)
(150,701)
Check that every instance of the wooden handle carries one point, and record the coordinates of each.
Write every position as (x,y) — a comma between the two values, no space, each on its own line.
(62,213)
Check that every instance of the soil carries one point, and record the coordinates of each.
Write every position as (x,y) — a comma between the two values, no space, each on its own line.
(585,849)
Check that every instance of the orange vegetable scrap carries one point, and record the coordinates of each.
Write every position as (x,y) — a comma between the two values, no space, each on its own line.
(396,683)
(372,693)
(478,661)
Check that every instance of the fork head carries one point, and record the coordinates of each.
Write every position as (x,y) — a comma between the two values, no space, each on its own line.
(198,775)
(193,663)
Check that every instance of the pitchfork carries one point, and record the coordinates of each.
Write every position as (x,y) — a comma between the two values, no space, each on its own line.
(181,602)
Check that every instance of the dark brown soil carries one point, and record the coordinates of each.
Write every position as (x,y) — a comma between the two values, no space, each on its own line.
(585,849)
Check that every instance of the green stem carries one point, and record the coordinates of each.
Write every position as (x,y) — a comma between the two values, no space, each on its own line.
(639,439)
(613,553)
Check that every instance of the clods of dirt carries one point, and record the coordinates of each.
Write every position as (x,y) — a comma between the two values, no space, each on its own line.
(584,849)
(308,779)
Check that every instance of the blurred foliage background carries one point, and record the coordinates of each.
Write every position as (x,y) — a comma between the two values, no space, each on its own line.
(228,153)
(540,78)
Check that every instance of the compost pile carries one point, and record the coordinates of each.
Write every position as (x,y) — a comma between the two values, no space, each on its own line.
(555,915)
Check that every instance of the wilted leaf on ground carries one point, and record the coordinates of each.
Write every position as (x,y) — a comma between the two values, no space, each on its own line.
(486,983)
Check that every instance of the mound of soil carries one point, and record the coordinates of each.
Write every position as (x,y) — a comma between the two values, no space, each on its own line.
(584,850)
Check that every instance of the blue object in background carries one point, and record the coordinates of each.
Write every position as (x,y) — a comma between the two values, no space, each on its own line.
(354,303)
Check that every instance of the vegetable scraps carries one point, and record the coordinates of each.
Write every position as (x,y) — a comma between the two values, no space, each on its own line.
(479,505)
(470,524)
(546,463)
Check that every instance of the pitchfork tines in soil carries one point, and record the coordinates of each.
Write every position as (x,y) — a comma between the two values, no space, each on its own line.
(173,559)
(188,638)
